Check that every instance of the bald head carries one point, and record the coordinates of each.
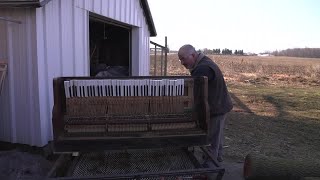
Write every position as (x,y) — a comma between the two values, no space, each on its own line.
(187,49)
(188,56)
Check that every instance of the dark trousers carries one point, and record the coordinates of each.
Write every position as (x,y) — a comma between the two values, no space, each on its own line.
(216,134)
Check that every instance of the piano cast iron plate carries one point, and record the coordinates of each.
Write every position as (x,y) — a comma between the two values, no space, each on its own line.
(131,161)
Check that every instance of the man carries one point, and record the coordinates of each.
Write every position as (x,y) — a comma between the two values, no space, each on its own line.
(218,96)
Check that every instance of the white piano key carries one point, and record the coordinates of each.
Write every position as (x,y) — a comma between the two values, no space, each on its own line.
(119,87)
(73,91)
(76,88)
(66,88)
(92,88)
(113,86)
(108,89)
(131,87)
(79,88)
(167,87)
(151,87)
(85,92)
(171,83)
(97,88)
(99,81)
(123,87)
(162,87)
(182,87)
(136,85)
(103,87)
(95,85)
(83,87)
(87,87)
(71,88)
(148,82)
(80,84)
(145,87)
(177,87)
(139,87)
(142,86)
(157,85)
(148,89)
(174,87)
(120,82)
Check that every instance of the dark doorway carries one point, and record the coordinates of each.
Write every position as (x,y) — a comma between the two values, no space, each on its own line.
(109,48)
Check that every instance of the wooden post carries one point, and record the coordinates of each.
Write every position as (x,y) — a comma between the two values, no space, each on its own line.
(161,61)
(165,57)
(155,61)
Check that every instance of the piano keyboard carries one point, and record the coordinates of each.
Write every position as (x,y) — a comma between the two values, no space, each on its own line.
(116,87)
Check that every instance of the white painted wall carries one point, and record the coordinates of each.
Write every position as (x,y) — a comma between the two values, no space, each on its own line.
(53,41)
(62,50)
(19,110)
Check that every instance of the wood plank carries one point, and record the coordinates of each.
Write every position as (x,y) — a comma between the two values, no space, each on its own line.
(95,144)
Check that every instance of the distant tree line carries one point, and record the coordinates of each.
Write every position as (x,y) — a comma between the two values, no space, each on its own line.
(238,52)
(299,52)
(224,51)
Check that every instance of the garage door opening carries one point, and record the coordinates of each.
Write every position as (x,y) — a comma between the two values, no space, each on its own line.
(110,49)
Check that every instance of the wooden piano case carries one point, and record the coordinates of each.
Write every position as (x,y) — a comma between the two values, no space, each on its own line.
(98,123)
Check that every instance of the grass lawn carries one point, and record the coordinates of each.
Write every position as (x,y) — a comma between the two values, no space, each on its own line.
(274,121)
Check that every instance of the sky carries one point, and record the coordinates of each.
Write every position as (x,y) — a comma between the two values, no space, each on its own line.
(253,26)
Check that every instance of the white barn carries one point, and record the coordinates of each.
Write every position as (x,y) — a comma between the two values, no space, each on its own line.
(44,39)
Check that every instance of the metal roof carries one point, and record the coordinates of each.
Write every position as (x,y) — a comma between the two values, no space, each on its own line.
(38,3)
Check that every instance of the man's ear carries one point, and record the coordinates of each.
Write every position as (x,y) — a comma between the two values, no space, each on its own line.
(193,55)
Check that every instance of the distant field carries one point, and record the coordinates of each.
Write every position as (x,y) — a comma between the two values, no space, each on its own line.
(276,105)
(256,69)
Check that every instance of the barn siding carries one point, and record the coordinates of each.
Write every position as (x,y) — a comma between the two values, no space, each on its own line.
(4,97)
(18,103)
(62,51)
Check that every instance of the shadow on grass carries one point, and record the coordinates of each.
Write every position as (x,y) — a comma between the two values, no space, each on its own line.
(285,135)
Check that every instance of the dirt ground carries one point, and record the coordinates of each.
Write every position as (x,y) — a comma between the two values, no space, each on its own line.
(15,164)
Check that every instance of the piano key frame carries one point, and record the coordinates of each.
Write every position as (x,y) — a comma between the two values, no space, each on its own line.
(74,132)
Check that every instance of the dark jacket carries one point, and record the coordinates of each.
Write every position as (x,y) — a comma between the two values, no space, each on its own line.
(218,97)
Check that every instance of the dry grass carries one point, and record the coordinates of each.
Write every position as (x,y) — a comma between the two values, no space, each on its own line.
(258,70)
(276,105)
